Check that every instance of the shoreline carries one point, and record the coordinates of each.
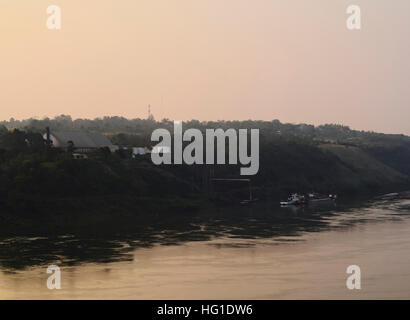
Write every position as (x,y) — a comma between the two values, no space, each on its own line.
(104,219)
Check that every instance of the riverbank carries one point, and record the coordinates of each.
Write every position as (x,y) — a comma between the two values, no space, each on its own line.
(47,186)
(116,214)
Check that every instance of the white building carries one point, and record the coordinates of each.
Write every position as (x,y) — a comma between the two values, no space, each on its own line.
(140,151)
(162,150)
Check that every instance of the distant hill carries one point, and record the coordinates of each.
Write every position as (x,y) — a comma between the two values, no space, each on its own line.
(293,158)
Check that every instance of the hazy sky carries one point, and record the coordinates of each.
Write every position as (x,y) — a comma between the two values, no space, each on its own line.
(292,60)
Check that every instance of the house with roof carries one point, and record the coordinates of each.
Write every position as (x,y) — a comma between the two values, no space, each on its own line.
(81,142)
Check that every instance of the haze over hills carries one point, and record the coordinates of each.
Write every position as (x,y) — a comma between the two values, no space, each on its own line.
(391,149)
(112,124)
(36,181)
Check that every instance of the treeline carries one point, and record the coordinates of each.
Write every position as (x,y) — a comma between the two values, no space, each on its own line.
(112,125)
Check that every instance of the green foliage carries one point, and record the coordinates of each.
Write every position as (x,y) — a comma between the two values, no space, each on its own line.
(3,130)
(35,180)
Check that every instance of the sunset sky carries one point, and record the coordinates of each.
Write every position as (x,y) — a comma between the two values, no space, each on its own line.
(292,60)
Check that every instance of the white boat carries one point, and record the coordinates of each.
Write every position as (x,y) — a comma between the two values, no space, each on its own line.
(294,200)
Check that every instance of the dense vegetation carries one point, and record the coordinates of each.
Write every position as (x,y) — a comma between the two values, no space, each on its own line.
(36,181)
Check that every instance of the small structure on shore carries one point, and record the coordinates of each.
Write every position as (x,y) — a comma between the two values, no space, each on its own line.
(140,151)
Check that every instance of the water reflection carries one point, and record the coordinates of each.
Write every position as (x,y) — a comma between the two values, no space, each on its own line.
(256,222)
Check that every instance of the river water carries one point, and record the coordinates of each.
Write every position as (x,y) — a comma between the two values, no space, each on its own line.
(246,253)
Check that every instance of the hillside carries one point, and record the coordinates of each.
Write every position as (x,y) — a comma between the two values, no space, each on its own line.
(36,182)
(359,168)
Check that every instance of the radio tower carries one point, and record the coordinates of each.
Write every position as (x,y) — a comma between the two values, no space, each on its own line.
(150,116)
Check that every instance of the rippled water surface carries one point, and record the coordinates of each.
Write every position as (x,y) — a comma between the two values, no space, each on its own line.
(244,253)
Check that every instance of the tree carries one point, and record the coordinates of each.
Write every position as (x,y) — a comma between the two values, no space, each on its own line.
(3,130)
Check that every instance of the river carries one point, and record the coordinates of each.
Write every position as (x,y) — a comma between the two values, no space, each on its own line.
(247,253)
